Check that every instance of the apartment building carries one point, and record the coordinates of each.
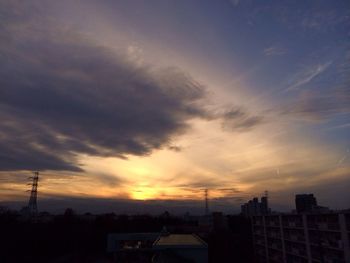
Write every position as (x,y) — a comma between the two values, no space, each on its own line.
(254,207)
(299,238)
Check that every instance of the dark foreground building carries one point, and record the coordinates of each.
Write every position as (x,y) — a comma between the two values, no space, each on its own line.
(157,248)
(300,238)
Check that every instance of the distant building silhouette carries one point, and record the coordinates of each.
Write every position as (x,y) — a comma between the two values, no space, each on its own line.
(305,203)
(264,206)
(254,207)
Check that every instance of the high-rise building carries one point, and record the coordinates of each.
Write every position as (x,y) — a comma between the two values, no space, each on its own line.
(254,207)
(264,205)
(305,203)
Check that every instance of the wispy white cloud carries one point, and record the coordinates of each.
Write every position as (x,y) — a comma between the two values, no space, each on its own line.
(324,19)
(307,75)
(274,51)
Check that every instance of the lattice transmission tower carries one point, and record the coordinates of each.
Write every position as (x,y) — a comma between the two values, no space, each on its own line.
(32,204)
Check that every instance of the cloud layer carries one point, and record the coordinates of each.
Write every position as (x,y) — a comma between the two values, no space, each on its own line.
(62,95)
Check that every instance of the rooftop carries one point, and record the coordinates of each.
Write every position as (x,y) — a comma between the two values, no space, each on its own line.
(179,240)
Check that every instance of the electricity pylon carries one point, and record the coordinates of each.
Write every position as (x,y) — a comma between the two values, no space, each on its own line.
(32,204)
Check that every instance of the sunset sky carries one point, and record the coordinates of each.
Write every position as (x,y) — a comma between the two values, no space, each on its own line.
(154,101)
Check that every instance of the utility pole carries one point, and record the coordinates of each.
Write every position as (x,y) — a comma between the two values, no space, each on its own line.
(206,201)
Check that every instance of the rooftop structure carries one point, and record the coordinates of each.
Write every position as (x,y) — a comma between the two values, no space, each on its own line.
(180,248)
(157,248)
(127,241)
(131,247)
(179,240)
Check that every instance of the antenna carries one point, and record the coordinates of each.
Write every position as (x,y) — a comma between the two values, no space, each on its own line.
(32,204)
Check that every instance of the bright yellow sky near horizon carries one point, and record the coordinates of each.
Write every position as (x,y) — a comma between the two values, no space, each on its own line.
(210,157)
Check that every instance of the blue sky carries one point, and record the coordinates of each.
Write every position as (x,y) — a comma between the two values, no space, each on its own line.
(158,100)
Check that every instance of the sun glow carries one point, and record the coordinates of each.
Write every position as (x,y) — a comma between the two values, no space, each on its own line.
(144,193)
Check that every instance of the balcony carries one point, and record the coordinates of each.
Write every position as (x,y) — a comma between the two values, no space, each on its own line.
(296,238)
(259,232)
(326,254)
(328,244)
(261,252)
(275,256)
(274,234)
(293,258)
(258,222)
(328,226)
(273,223)
(275,246)
(293,225)
(260,242)
(296,249)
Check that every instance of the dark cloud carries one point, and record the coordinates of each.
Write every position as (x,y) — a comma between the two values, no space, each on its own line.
(62,95)
(175,148)
(227,200)
(110,180)
(10,177)
(201,184)
(214,185)
(230,190)
(238,119)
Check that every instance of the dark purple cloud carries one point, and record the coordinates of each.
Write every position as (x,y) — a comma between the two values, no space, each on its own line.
(62,94)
